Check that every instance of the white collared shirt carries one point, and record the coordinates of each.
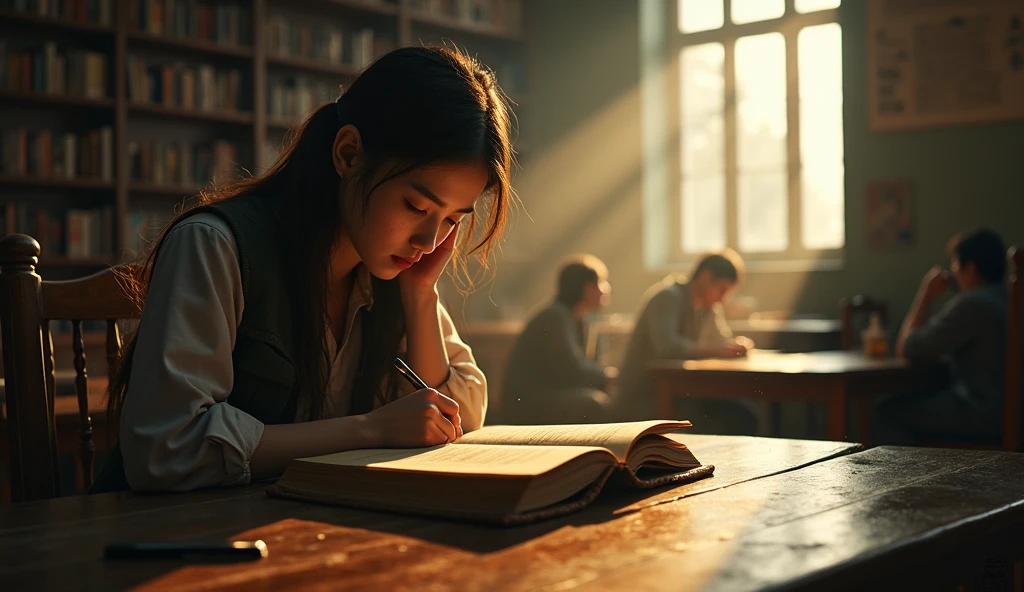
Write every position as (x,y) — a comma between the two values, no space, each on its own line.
(177,431)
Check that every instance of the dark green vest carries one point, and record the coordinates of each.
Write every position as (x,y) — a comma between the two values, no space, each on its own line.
(264,374)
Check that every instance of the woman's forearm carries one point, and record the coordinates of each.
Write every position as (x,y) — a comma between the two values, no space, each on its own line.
(281,444)
(427,354)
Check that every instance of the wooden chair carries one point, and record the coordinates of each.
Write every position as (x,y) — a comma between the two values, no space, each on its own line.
(852,309)
(27,304)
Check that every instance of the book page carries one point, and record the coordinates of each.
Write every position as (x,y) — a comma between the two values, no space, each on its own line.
(465,459)
(615,437)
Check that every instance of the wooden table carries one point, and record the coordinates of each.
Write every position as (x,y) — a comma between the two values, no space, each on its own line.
(833,378)
(777,513)
(791,335)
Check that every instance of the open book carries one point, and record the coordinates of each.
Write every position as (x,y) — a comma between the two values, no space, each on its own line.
(499,474)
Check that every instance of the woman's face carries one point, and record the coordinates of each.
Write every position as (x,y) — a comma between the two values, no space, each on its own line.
(410,215)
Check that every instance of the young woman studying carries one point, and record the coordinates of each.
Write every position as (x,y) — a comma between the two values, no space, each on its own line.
(273,310)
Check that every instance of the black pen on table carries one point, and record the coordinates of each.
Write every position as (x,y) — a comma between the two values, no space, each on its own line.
(412,377)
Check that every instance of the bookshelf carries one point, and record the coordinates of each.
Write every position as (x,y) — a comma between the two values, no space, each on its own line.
(196,47)
(137,100)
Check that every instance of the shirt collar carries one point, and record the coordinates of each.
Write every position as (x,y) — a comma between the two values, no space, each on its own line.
(363,296)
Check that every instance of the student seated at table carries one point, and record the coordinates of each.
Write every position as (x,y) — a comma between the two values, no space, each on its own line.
(683,319)
(970,333)
(549,379)
(275,310)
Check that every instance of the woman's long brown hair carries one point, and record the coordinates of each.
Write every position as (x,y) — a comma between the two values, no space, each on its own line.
(413,107)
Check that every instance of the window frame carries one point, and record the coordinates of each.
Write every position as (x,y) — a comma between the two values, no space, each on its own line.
(796,256)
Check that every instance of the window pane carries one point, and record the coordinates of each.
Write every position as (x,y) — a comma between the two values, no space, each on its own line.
(703,213)
(763,216)
(702,97)
(822,218)
(700,15)
(812,5)
(819,59)
(703,144)
(748,11)
(702,82)
(762,190)
(702,139)
(761,102)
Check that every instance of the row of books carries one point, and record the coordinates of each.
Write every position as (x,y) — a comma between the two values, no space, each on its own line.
(50,155)
(182,164)
(48,70)
(288,39)
(74,233)
(221,23)
(84,233)
(323,42)
(203,88)
(503,15)
(93,12)
(296,96)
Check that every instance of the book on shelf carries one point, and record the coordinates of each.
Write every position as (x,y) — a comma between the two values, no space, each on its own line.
(202,88)
(293,97)
(140,228)
(223,23)
(47,155)
(501,474)
(74,233)
(52,71)
(180,164)
(93,12)
(90,233)
(503,15)
(286,38)
(327,43)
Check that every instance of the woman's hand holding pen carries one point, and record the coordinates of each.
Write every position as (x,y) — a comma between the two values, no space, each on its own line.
(422,418)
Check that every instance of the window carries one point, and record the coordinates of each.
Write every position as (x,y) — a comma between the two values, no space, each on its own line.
(757,99)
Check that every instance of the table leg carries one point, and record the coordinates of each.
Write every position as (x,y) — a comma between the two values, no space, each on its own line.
(864,419)
(666,410)
(775,410)
(836,409)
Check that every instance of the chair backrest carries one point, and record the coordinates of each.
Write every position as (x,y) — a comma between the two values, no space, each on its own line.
(1012,416)
(27,304)
(853,309)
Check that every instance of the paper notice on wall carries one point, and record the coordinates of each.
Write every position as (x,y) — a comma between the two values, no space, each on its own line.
(937,62)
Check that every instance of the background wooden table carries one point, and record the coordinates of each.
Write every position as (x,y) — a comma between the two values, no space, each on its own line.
(833,524)
(791,335)
(832,378)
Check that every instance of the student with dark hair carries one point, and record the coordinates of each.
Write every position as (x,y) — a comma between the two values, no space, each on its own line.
(683,319)
(272,312)
(970,333)
(548,378)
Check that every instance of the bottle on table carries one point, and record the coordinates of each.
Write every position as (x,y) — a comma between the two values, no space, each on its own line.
(875,338)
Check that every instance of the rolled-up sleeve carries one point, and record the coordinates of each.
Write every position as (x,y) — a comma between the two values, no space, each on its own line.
(177,432)
(466,383)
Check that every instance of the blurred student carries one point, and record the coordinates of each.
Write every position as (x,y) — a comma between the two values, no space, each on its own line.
(549,379)
(969,332)
(683,319)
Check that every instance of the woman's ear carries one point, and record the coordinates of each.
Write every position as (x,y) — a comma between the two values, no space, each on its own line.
(347,150)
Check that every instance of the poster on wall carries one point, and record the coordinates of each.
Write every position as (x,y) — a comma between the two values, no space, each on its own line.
(890,216)
(940,62)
